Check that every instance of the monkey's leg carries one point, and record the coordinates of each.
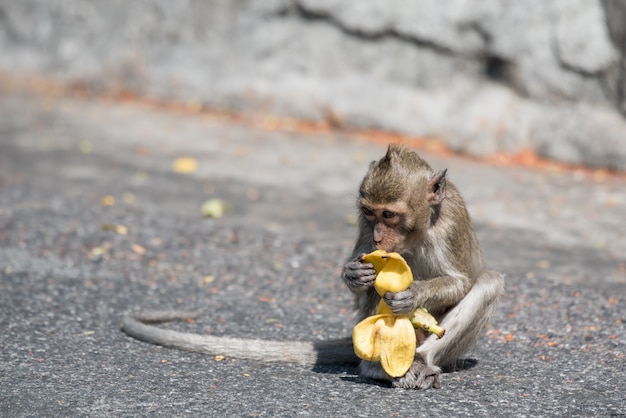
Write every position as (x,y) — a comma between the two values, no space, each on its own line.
(463,325)
(464,322)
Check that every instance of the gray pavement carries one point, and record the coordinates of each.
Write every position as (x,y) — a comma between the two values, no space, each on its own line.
(270,268)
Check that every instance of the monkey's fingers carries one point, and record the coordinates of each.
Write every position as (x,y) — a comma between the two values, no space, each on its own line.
(360,283)
(360,265)
(400,303)
(358,275)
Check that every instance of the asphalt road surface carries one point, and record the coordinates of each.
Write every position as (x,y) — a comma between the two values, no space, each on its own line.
(95,222)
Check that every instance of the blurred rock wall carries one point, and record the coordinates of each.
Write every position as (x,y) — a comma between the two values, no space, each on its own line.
(484,76)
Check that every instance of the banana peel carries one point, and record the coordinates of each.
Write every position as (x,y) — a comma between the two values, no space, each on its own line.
(420,318)
(389,339)
(385,337)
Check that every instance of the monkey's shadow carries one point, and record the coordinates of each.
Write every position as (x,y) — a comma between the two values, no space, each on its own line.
(352,372)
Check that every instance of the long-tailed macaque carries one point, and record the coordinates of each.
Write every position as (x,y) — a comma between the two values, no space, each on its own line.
(407,208)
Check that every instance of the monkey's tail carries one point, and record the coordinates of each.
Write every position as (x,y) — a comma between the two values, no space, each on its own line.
(301,352)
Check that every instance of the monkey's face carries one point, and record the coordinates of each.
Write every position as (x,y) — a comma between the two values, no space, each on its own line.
(387,225)
(396,198)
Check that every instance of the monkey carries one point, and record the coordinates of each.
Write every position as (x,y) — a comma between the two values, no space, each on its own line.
(404,207)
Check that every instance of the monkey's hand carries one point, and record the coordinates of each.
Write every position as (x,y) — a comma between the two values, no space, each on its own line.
(401,303)
(359,276)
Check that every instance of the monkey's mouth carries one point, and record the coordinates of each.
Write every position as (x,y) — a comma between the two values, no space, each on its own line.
(384,247)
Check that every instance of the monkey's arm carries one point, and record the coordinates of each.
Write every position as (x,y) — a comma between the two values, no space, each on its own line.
(305,353)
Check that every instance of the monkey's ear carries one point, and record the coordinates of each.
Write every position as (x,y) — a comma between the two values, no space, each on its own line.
(437,188)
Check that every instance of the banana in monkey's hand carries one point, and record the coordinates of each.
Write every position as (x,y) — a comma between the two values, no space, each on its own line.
(394,275)
(386,337)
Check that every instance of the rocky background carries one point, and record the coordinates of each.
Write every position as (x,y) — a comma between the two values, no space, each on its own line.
(484,77)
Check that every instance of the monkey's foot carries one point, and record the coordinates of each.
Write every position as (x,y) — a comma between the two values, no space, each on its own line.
(419,376)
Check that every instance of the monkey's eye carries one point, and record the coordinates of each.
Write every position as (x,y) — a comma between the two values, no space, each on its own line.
(367,211)
(389,214)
